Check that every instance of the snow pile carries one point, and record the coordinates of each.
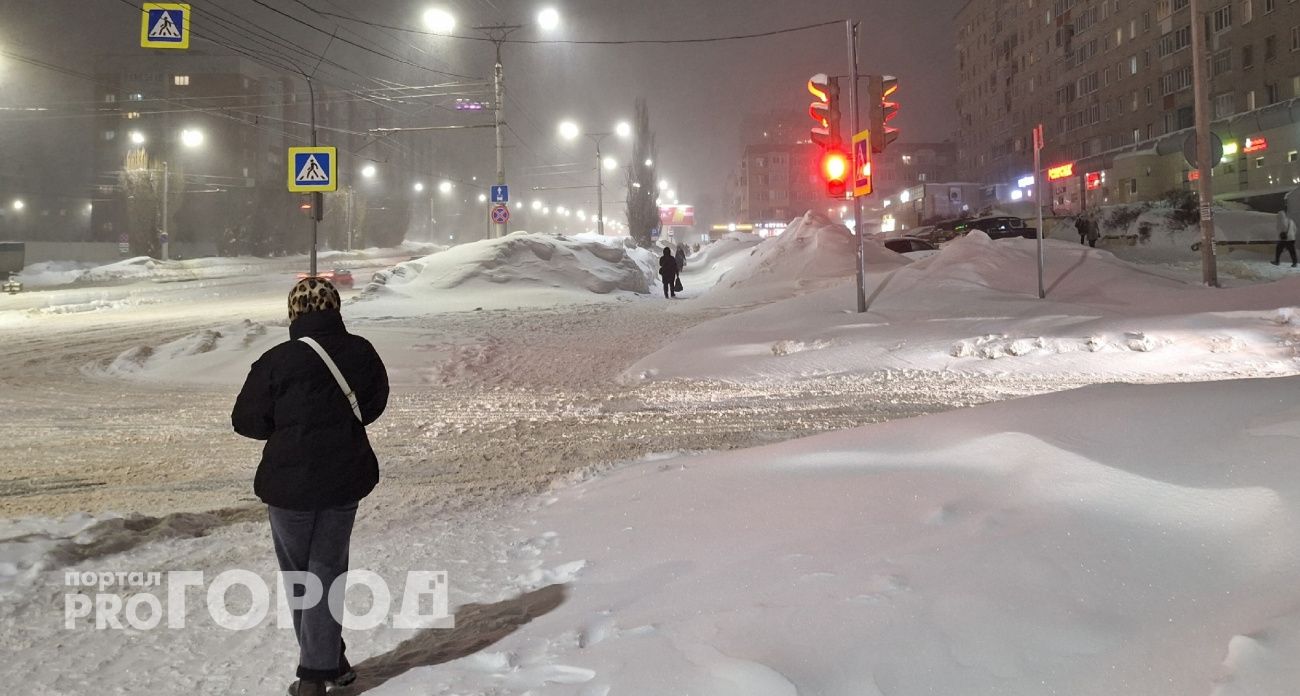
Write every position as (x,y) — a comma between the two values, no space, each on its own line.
(48,274)
(974,305)
(1036,546)
(811,254)
(207,356)
(517,270)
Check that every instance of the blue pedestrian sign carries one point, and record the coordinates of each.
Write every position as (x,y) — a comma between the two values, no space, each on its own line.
(501,194)
(165,25)
(313,169)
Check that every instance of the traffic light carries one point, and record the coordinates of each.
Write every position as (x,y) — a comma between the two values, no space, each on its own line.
(826,110)
(835,171)
(883,110)
(312,205)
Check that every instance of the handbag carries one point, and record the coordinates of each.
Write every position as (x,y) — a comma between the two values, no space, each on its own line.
(338,376)
(677,284)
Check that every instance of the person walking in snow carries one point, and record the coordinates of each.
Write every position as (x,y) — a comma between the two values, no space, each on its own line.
(1094,231)
(310,399)
(1081,226)
(1286,230)
(668,272)
(681,257)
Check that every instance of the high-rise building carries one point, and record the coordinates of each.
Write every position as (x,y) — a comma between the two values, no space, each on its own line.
(1111,82)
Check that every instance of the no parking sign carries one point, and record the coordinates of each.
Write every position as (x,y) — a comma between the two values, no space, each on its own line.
(500,214)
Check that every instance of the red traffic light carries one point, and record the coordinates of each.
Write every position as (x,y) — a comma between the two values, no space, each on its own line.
(835,171)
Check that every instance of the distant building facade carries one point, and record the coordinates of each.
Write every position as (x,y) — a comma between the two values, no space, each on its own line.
(1111,82)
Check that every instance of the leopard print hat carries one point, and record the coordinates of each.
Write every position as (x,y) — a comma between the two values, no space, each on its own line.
(312,295)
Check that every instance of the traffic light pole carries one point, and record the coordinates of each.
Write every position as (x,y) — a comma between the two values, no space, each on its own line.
(852,29)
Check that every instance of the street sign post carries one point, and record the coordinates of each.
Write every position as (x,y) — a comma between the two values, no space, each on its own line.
(165,25)
(501,194)
(1038,201)
(313,169)
(500,214)
(862,164)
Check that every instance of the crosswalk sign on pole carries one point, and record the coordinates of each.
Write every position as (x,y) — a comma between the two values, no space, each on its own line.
(862,183)
(165,25)
(313,169)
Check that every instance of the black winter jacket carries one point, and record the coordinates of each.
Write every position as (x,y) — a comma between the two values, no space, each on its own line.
(668,268)
(317,454)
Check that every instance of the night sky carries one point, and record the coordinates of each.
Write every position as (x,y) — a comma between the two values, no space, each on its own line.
(697,93)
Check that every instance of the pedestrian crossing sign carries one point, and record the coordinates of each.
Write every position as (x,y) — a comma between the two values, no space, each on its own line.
(313,169)
(164,25)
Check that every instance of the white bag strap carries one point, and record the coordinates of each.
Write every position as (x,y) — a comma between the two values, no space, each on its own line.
(338,376)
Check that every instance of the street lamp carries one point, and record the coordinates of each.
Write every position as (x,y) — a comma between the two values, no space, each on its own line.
(663,184)
(537,205)
(482,198)
(442,22)
(19,204)
(419,187)
(368,171)
(570,131)
(191,137)
(137,138)
(439,21)
(649,163)
(445,186)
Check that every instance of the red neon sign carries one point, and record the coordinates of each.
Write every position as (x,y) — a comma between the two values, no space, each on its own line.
(1060,172)
(1093,180)
(1254,145)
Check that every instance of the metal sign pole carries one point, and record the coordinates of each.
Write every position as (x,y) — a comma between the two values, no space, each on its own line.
(851,28)
(1038,202)
(1205,184)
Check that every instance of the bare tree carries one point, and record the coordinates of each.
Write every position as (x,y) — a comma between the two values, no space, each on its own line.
(642,184)
(142,187)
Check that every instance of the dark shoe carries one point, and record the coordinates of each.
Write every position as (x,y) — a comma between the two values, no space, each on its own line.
(344,679)
(307,687)
(1273,262)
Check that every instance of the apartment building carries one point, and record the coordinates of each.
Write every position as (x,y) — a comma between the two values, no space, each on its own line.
(1111,82)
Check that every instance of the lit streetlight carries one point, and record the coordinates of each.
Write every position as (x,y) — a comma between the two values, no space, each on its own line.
(570,131)
(368,171)
(192,137)
(663,184)
(445,186)
(419,187)
(482,198)
(137,138)
(649,163)
(19,204)
(440,21)
(537,205)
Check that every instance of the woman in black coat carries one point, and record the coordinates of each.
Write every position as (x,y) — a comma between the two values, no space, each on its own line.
(317,462)
(668,272)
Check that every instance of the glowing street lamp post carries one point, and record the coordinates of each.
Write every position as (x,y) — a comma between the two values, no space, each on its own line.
(570,131)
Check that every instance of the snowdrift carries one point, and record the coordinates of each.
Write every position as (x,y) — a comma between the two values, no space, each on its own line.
(1069,553)
(517,270)
(974,305)
(809,255)
(213,356)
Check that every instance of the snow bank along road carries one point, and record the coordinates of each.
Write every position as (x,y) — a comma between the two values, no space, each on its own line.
(514,400)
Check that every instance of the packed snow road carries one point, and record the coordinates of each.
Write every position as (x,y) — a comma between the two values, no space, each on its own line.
(514,401)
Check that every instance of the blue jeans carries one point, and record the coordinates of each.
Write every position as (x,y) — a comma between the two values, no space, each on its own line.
(316,542)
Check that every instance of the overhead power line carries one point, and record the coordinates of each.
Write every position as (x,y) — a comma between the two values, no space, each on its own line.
(590,42)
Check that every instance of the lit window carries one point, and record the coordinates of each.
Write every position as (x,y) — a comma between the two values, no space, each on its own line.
(132,115)
(110,134)
(1259,163)
(1292,156)
(135,97)
(181,80)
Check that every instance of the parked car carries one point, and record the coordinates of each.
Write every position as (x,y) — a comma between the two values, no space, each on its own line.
(903,245)
(998,227)
(340,277)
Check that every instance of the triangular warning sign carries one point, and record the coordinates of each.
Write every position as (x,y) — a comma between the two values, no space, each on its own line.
(165,28)
(312,172)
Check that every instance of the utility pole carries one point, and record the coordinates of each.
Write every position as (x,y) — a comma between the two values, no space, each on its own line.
(1038,201)
(166,191)
(852,29)
(600,191)
(1205,168)
(317,199)
(498,34)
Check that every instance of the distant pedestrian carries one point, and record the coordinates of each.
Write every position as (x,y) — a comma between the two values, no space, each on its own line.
(681,257)
(1081,226)
(1286,230)
(310,399)
(668,272)
(1094,230)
